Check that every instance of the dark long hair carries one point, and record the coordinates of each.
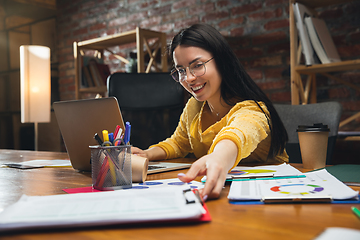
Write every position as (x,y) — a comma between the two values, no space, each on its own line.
(236,84)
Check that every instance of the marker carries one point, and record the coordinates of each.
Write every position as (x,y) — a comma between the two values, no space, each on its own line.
(98,139)
(111,163)
(111,137)
(116,132)
(356,211)
(127,133)
(105,134)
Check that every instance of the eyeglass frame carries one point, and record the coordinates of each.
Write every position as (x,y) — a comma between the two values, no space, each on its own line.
(185,75)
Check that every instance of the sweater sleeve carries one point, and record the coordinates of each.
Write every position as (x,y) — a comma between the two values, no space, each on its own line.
(246,126)
(178,145)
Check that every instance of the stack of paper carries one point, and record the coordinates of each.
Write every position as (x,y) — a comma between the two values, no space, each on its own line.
(102,208)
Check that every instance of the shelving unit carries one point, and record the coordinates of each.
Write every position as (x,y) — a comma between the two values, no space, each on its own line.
(301,94)
(138,35)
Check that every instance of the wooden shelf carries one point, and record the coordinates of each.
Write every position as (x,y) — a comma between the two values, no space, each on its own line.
(140,36)
(329,67)
(306,93)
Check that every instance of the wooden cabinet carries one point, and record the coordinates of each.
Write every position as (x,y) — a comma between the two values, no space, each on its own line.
(306,93)
(142,38)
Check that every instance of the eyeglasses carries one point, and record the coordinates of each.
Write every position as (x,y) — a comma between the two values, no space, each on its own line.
(197,69)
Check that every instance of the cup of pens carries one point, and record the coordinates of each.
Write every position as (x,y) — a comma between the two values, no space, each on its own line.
(111,167)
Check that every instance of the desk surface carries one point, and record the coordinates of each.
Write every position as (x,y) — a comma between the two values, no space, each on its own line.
(277,221)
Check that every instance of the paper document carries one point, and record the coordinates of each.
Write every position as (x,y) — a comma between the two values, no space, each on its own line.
(336,233)
(317,184)
(39,164)
(261,172)
(101,208)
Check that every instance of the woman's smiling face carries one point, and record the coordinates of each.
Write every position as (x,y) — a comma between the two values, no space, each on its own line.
(205,87)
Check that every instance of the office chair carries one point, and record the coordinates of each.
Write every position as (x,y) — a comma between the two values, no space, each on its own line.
(292,116)
(151,102)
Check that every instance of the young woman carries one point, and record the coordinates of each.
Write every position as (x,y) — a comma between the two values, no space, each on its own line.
(227,120)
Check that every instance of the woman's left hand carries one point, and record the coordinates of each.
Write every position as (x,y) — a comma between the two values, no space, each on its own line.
(215,166)
(215,175)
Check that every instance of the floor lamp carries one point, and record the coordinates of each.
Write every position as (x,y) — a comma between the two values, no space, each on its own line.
(35,85)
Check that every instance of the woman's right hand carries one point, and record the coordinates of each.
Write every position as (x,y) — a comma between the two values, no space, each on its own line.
(139,152)
(155,153)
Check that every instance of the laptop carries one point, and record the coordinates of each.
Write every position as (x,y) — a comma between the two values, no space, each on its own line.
(79,120)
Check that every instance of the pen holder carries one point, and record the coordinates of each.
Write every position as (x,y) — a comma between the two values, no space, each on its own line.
(111,167)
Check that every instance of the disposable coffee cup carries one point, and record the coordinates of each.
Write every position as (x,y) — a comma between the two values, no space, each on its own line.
(139,168)
(313,145)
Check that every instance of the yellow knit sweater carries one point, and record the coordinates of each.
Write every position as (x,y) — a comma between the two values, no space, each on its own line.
(245,124)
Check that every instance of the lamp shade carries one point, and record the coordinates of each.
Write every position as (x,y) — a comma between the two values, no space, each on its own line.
(35,83)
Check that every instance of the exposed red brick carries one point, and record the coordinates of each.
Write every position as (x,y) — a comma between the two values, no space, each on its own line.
(273,73)
(237,31)
(269,38)
(267,61)
(249,52)
(277,24)
(282,97)
(351,105)
(199,9)
(137,16)
(80,31)
(99,26)
(279,48)
(255,74)
(153,21)
(223,3)
(174,16)
(232,21)
(118,21)
(186,23)
(272,85)
(331,13)
(355,36)
(276,2)
(246,8)
(338,93)
(182,4)
(261,15)
(215,16)
(349,51)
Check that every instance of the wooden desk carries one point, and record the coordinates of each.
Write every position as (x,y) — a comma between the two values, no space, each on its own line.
(278,221)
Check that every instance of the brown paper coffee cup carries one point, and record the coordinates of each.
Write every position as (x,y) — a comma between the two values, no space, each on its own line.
(139,167)
(313,142)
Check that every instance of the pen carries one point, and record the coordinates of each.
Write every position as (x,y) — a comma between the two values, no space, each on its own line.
(356,211)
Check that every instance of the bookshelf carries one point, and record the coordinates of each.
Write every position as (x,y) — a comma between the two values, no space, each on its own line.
(140,36)
(306,93)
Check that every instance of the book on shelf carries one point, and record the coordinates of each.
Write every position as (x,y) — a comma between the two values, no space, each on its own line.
(300,12)
(321,40)
(95,74)
(104,71)
(86,77)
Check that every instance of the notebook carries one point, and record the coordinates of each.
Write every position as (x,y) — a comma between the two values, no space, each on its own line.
(79,120)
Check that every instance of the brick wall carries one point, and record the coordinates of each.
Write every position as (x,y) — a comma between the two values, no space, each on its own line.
(257,31)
